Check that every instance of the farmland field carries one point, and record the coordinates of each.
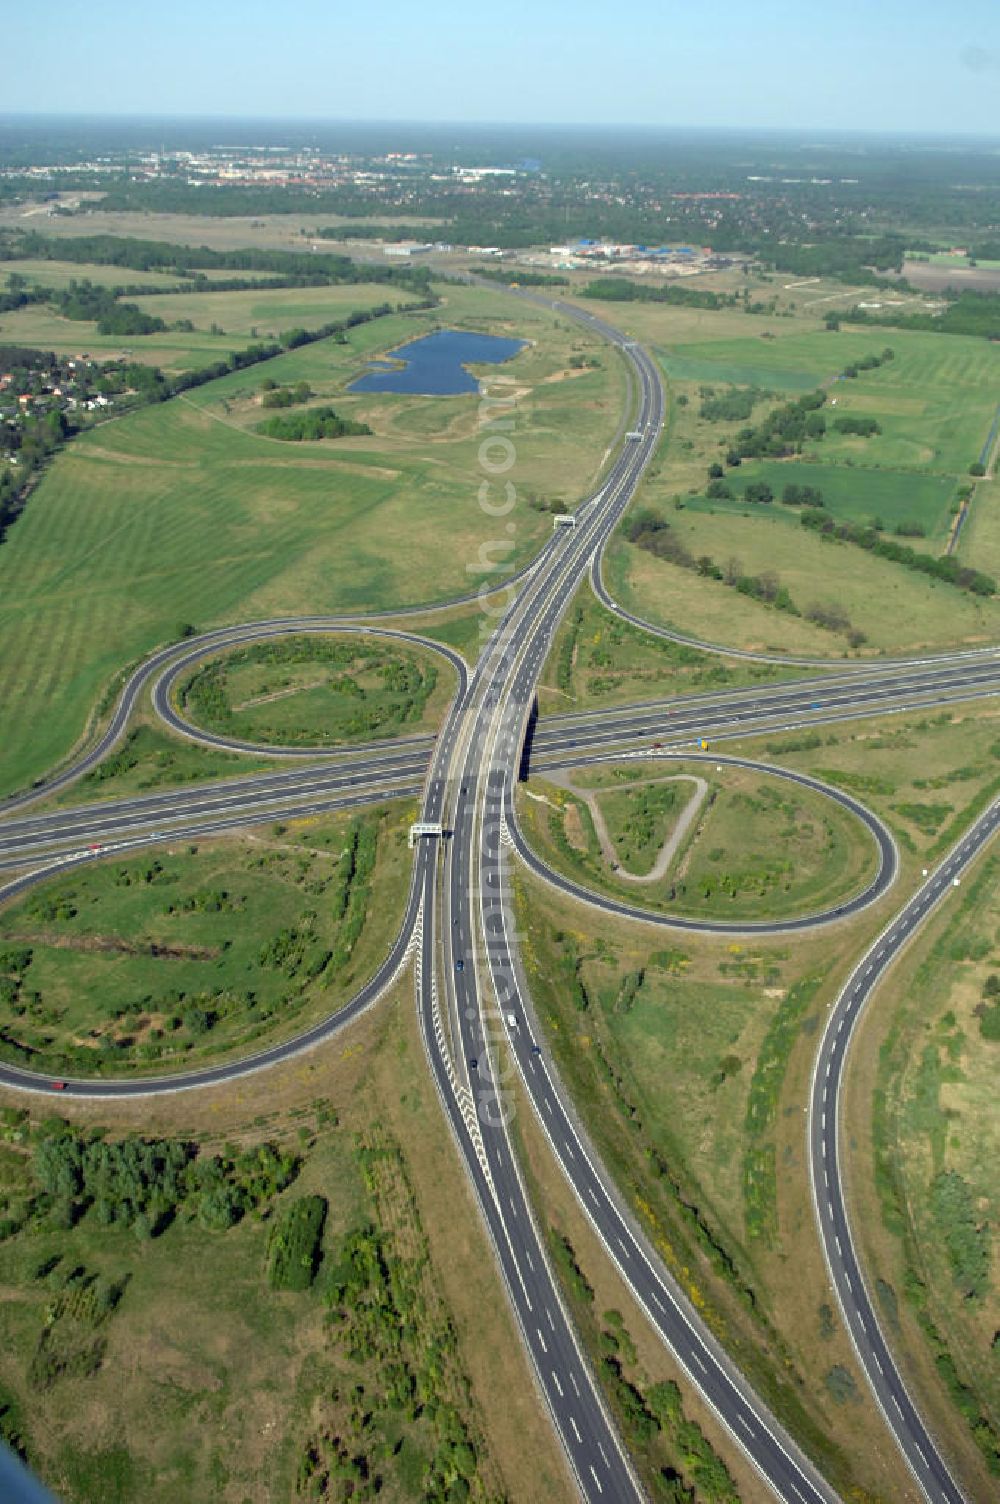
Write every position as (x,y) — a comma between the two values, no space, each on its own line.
(59,274)
(754,539)
(235,314)
(261,313)
(899,612)
(183,514)
(933,402)
(856,495)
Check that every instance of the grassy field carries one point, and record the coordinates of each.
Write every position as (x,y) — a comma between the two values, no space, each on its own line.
(899,612)
(758,847)
(641,819)
(924,1171)
(942,1132)
(979,540)
(213,1384)
(924,773)
(291,232)
(318,691)
(236,316)
(664,1044)
(934,402)
(186,953)
(59,274)
(887,496)
(261,313)
(599,659)
(151,758)
(179,514)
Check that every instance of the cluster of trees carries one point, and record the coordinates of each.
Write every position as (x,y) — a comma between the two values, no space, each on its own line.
(83,301)
(296,951)
(782,432)
(397,1342)
(38,437)
(965,1234)
(989,1009)
(848,258)
(568,1268)
(70,1343)
(756,492)
(868,362)
(146,1183)
(628,290)
(14,963)
(945,568)
(22,362)
(976,313)
(133,378)
(522,276)
(652,1417)
(295,1242)
(866,428)
(20,295)
(273,395)
(322,268)
(801,496)
(569,963)
(733,406)
(318,423)
(643,815)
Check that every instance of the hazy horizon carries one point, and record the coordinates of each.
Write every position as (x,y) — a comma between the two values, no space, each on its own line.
(892,68)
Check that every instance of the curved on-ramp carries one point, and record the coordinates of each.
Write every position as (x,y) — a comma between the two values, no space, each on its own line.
(621,485)
(885,876)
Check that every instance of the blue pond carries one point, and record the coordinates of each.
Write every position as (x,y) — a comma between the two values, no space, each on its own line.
(435,366)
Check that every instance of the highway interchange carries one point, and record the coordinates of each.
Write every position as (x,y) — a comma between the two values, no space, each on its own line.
(459,911)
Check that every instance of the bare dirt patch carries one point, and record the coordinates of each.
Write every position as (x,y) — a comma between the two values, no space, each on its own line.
(115,945)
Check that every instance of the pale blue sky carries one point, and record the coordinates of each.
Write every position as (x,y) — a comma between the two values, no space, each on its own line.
(906,65)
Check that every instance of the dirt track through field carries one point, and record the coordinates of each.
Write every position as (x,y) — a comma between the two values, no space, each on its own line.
(670,846)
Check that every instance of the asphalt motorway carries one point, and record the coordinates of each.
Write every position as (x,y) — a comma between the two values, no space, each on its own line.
(600,1465)
(151,1086)
(670,634)
(473,768)
(161,670)
(824,1136)
(885,876)
(398,767)
(483,767)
